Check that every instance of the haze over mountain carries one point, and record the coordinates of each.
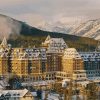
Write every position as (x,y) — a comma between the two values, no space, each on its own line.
(11,28)
(8,26)
(55,27)
(59,26)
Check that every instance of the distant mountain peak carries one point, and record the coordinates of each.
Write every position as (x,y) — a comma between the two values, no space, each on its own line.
(12,27)
(89,29)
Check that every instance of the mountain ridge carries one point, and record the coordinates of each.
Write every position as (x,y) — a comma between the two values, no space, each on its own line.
(21,34)
(89,29)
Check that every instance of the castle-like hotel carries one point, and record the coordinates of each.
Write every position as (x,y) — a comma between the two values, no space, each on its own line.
(54,60)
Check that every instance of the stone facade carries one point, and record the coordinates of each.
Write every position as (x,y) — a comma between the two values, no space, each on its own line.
(54,60)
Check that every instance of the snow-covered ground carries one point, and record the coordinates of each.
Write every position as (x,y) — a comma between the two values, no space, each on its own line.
(38,83)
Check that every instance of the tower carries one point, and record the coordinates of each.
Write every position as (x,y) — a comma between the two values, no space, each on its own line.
(72,64)
(48,38)
(98,46)
(4,57)
(4,43)
(46,42)
(3,64)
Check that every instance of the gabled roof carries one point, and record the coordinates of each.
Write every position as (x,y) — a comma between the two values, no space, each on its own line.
(90,56)
(14,93)
(57,45)
(71,53)
(48,38)
(31,53)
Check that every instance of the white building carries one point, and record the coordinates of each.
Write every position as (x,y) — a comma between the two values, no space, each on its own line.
(16,95)
(55,45)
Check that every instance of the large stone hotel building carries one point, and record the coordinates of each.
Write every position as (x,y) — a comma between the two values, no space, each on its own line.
(54,60)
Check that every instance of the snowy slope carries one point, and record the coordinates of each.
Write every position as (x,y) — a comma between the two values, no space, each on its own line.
(89,29)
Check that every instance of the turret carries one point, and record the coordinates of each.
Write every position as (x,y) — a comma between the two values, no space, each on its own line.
(98,46)
(4,45)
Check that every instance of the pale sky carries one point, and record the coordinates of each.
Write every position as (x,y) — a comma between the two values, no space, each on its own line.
(35,12)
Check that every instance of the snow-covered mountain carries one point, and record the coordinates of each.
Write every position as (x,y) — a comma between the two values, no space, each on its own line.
(58,27)
(10,26)
(89,29)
